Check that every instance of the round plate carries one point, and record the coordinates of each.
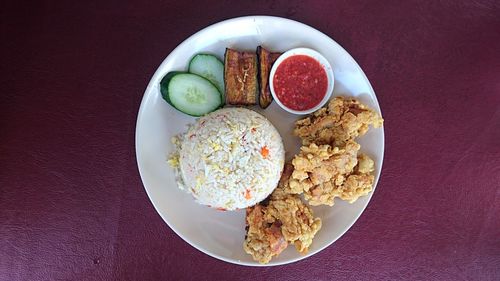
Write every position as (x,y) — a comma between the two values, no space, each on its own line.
(221,234)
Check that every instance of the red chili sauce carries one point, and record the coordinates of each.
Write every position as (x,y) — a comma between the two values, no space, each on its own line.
(300,82)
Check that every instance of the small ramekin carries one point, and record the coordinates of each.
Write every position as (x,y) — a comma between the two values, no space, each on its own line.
(322,61)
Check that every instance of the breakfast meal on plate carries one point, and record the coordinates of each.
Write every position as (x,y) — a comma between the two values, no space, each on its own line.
(233,157)
(229,159)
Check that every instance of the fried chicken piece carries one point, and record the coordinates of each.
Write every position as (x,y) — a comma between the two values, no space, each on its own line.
(318,170)
(365,164)
(360,183)
(264,238)
(298,223)
(281,219)
(342,120)
(323,173)
(355,186)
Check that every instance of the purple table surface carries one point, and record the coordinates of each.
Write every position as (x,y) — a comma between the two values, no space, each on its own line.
(72,205)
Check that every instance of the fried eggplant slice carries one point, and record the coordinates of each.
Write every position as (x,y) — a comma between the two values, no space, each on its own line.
(240,77)
(266,60)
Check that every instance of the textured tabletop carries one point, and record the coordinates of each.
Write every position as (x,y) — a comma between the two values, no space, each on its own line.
(72,75)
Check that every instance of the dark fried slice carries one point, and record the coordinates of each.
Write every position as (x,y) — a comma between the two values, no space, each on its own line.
(240,77)
(266,60)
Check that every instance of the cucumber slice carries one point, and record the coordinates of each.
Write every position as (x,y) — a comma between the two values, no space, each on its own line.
(192,94)
(164,85)
(209,67)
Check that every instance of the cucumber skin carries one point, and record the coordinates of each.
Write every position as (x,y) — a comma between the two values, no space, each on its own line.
(222,91)
(164,85)
(164,90)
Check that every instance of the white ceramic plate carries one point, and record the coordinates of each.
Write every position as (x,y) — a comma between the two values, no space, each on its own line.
(221,234)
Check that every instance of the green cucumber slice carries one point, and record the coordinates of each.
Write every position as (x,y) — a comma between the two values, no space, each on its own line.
(164,85)
(209,67)
(192,94)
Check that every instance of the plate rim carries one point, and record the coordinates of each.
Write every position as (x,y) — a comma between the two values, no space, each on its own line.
(146,97)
